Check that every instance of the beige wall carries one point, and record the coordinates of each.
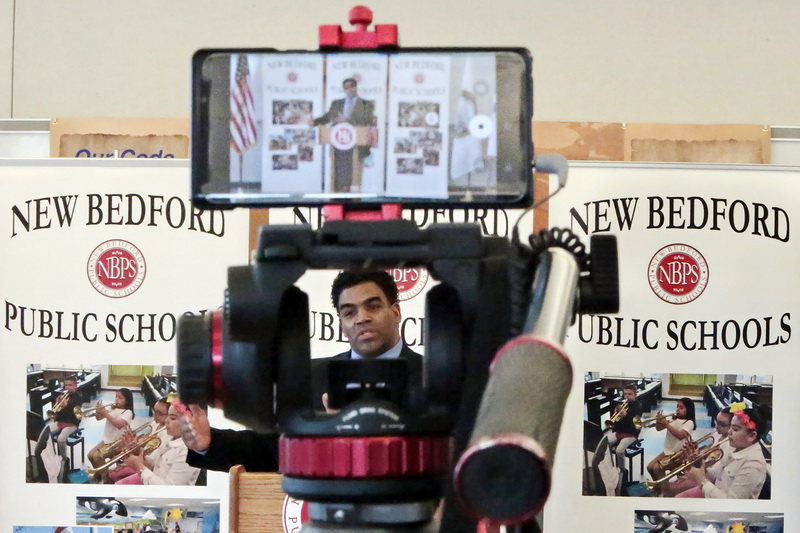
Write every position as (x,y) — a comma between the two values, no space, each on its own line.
(6,45)
(682,61)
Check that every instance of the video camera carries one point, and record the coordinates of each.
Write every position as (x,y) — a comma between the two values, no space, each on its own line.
(495,379)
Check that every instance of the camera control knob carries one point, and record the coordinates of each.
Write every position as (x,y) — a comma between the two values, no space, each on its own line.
(197,342)
(365,457)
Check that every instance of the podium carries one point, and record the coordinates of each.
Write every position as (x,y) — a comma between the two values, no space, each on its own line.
(256,502)
(347,165)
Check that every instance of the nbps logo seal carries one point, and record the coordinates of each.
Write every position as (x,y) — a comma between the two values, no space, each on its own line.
(678,274)
(410,281)
(294,514)
(343,136)
(116,268)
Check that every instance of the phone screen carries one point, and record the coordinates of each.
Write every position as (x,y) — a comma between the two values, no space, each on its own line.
(419,127)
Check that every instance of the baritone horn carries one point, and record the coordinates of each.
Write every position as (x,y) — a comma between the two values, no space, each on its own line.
(680,461)
(620,413)
(80,414)
(148,445)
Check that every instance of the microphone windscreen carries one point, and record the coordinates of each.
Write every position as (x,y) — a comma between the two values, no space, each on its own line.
(505,473)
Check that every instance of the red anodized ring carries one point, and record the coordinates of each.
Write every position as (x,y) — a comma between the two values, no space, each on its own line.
(365,457)
(216,357)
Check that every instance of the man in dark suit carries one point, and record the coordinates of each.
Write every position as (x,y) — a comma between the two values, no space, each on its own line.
(358,112)
(369,312)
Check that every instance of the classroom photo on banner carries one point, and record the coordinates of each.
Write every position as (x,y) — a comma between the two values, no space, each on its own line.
(105,424)
(677,435)
(732,521)
(159,515)
(63,529)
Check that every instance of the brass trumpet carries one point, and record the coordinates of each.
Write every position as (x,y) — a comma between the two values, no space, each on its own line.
(620,413)
(80,414)
(677,463)
(58,406)
(148,445)
(651,422)
(113,448)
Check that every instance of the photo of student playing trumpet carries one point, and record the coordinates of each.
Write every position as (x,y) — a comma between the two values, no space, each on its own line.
(105,424)
(677,435)
(679,427)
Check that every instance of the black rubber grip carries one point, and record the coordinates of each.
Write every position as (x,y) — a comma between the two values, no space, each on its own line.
(505,473)
(194,359)
(599,293)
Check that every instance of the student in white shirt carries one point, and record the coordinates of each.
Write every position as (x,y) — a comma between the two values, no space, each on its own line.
(741,473)
(167,465)
(679,432)
(117,419)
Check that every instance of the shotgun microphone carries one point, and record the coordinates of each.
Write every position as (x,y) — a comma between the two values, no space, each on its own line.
(505,474)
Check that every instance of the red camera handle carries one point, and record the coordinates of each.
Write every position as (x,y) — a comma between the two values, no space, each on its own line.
(384,36)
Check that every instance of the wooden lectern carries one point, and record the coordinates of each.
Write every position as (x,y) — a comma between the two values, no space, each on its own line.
(256,502)
(362,140)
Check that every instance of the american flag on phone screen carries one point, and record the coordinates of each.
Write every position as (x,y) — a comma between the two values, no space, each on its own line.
(243,113)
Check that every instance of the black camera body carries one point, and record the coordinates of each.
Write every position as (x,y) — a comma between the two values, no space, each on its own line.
(390,441)
(404,437)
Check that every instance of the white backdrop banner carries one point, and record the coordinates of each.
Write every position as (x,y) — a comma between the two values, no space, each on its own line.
(419,107)
(291,88)
(100,258)
(708,285)
(103,256)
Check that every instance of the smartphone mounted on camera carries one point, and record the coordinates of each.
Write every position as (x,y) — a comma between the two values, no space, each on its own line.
(421,127)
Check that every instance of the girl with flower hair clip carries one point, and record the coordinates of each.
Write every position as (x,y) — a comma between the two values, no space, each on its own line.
(167,465)
(741,473)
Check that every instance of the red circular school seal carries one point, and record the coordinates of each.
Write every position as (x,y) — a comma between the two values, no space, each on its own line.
(410,281)
(419,77)
(678,273)
(294,514)
(116,268)
(343,136)
(292,77)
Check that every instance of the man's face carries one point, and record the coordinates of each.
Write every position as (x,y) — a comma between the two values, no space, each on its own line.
(71,386)
(350,89)
(370,323)
(629,394)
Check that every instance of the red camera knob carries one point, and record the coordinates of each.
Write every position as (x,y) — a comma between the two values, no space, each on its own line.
(360,15)
(364,457)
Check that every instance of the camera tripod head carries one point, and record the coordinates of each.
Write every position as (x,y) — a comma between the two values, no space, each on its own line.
(393,443)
